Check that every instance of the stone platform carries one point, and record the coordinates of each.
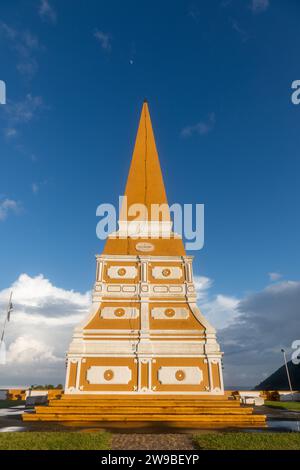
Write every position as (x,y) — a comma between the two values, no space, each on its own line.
(175,411)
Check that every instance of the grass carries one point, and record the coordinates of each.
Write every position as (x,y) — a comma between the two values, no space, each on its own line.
(284,405)
(101,441)
(54,441)
(11,403)
(248,441)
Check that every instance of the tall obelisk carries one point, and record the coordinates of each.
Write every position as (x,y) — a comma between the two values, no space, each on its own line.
(145,333)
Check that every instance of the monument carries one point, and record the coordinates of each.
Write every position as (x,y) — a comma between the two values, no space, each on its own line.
(145,333)
(145,352)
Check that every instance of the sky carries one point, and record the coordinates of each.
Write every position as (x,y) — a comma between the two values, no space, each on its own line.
(217,76)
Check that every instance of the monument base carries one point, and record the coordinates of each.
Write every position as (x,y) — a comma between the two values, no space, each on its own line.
(168,410)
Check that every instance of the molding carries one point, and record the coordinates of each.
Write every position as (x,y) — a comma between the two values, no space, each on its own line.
(196,311)
(142,257)
(143,229)
(92,312)
(82,333)
(151,393)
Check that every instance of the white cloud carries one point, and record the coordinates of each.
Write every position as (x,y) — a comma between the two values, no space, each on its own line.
(25,45)
(201,128)
(104,39)
(9,32)
(7,206)
(259,6)
(35,188)
(40,329)
(10,132)
(17,115)
(274,276)
(202,284)
(226,3)
(28,350)
(38,295)
(47,12)
(219,309)
(21,112)
(24,111)
(194,13)
(237,27)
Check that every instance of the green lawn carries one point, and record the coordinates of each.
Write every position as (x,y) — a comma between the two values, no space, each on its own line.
(248,441)
(285,405)
(10,403)
(54,441)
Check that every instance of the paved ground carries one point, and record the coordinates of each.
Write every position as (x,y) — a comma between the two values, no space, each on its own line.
(152,442)
(277,413)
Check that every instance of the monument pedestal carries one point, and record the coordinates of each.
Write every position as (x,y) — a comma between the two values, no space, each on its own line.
(145,411)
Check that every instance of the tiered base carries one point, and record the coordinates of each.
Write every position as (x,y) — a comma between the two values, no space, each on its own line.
(164,410)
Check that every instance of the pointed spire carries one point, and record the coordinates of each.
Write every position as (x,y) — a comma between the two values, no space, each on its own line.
(145,186)
(145,183)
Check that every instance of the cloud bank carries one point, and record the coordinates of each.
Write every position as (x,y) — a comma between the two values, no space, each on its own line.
(40,330)
(251,330)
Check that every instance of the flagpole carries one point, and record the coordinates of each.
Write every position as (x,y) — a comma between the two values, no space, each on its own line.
(6,318)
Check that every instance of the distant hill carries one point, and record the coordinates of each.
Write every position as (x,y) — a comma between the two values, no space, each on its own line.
(278,380)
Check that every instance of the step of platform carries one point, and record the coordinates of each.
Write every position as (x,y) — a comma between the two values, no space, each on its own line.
(145,395)
(104,410)
(146,402)
(154,418)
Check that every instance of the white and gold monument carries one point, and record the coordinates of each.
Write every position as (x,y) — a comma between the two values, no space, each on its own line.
(145,333)
(145,352)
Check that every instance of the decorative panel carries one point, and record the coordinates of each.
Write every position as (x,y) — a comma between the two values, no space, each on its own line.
(128,288)
(107,375)
(119,312)
(160,289)
(166,313)
(166,272)
(113,288)
(181,375)
(122,272)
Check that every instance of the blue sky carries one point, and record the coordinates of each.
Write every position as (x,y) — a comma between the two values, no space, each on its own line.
(76,75)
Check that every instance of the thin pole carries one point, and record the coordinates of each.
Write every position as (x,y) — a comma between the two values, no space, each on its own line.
(5,321)
(287,370)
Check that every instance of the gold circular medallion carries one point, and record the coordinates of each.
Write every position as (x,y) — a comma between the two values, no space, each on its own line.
(108,375)
(166,272)
(180,375)
(122,271)
(169,312)
(119,312)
